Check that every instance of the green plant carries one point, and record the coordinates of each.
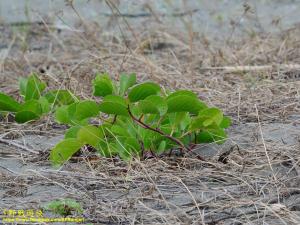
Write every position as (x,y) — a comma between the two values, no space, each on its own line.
(135,119)
(64,207)
(35,101)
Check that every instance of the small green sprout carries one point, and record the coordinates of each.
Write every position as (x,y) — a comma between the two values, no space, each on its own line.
(64,207)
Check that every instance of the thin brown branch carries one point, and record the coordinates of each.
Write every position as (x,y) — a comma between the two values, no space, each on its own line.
(234,69)
(157,130)
(13,143)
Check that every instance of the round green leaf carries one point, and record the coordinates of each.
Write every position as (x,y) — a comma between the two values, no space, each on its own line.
(89,135)
(181,119)
(76,113)
(22,85)
(102,85)
(207,117)
(153,105)
(33,106)
(113,108)
(185,103)
(45,106)
(115,98)
(114,105)
(8,104)
(142,91)
(62,115)
(60,97)
(226,122)
(212,134)
(132,144)
(182,92)
(64,150)
(72,132)
(120,131)
(126,81)
(25,116)
(86,109)
(34,87)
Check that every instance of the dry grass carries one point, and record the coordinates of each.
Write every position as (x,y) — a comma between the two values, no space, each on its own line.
(259,184)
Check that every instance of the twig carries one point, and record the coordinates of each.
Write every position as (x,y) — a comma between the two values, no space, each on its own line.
(138,15)
(157,130)
(232,69)
(264,144)
(9,142)
(192,196)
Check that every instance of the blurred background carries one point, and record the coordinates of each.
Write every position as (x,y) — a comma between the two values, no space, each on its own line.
(210,17)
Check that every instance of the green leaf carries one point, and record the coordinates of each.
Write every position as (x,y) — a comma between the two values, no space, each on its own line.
(73,205)
(212,133)
(120,131)
(8,104)
(113,108)
(22,85)
(185,103)
(132,144)
(63,207)
(31,110)
(64,150)
(207,117)
(77,113)
(148,137)
(226,122)
(45,106)
(154,105)
(33,106)
(182,119)
(135,110)
(114,105)
(90,135)
(25,116)
(127,148)
(60,97)
(142,91)
(34,87)
(126,81)
(151,119)
(102,85)
(214,115)
(62,114)
(72,132)
(86,109)
(124,126)
(182,92)
(105,128)
(115,98)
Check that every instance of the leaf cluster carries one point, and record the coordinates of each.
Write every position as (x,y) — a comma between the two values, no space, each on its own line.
(64,207)
(134,118)
(36,102)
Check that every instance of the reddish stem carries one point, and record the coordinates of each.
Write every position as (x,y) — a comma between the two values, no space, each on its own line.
(157,130)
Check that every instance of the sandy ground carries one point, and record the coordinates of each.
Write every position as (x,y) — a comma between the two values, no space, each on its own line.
(258,184)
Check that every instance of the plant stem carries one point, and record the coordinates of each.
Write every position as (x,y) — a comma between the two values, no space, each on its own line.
(157,130)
